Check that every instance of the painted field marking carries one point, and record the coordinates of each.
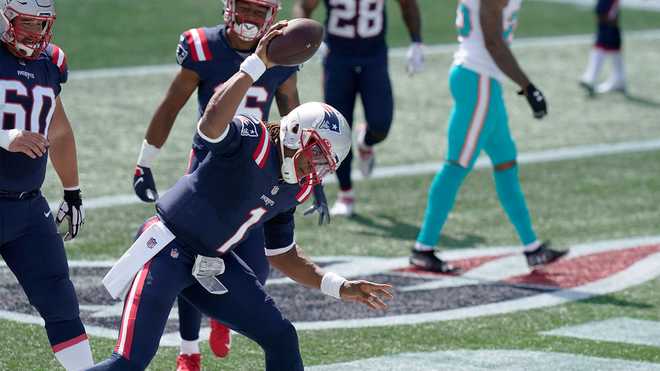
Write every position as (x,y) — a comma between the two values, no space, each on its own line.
(491,360)
(618,330)
(399,52)
(551,155)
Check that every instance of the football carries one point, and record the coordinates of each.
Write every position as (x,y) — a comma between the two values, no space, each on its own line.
(299,41)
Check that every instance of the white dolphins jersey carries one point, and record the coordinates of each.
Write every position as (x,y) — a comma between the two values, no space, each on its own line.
(472,53)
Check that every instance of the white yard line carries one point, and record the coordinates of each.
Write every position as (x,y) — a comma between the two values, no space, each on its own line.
(521,43)
(552,155)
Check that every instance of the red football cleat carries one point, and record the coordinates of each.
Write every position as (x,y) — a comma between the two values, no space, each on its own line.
(220,339)
(189,362)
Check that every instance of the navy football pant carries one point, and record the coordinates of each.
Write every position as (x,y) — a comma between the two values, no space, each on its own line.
(250,251)
(342,81)
(34,252)
(246,308)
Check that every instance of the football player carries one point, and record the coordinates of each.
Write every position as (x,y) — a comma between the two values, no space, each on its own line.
(254,176)
(608,43)
(479,121)
(208,57)
(356,62)
(33,127)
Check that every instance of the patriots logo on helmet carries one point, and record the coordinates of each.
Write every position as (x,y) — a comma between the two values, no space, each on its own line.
(330,120)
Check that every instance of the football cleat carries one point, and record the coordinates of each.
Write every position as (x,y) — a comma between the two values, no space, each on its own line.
(428,261)
(365,153)
(189,362)
(588,87)
(220,339)
(611,87)
(543,255)
(344,206)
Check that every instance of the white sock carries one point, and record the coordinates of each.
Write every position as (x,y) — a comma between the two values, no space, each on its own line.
(346,194)
(75,354)
(532,246)
(421,247)
(618,75)
(596,59)
(189,346)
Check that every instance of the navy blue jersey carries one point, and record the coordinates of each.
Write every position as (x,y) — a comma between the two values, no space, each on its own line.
(207,52)
(355,27)
(235,189)
(27,101)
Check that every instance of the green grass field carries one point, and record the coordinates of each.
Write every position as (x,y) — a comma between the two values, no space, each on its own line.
(573,201)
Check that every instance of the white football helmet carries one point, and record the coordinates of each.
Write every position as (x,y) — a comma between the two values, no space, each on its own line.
(318,132)
(27,26)
(246,26)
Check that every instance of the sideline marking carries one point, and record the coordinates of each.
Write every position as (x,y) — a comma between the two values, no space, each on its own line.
(619,330)
(551,155)
(398,52)
(474,360)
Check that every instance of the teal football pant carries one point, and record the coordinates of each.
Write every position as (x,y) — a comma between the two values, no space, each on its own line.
(478,121)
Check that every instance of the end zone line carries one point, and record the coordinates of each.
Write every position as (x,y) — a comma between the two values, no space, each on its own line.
(552,155)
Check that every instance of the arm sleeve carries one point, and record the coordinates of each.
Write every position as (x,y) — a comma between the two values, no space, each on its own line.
(279,233)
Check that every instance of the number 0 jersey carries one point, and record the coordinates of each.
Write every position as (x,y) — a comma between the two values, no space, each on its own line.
(207,52)
(356,27)
(28,89)
(472,53)
(236,188)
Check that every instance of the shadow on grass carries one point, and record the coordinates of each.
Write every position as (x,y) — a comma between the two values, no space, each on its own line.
(612,300)
(642,101)
(382,225)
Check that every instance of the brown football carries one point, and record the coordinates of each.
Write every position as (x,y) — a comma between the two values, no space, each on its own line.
(298,42)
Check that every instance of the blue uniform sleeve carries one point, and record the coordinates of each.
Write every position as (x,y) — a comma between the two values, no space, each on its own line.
(279,233)
(227,144)
(193,51)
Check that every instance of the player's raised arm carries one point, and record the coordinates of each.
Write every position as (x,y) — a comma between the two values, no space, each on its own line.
(301,269)
(304,8)
(222,107)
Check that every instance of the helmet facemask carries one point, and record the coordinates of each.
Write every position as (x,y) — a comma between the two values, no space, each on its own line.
(27,35)
(311,161)
(246,25)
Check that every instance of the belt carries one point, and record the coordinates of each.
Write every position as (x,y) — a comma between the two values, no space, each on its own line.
(19,195)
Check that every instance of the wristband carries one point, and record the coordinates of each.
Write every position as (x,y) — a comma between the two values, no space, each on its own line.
(148,154)
(8,136)
(253,66)
(331,284)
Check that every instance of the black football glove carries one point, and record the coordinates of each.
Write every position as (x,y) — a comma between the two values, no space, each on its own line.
(320,205)
(72,210)
(144,184)
(536,100)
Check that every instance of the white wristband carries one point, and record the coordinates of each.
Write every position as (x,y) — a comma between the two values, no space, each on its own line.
(148,154)
(8,136)
(331,284)
(253,66)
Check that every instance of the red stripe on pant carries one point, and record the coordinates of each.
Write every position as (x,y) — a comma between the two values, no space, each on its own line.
(127,329)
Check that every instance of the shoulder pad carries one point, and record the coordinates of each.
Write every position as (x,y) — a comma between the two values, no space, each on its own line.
(197,44)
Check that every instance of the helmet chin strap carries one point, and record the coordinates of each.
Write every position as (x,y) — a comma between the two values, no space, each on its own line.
(289,170)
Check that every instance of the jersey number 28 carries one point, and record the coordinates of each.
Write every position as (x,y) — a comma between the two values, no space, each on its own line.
(35,117)
(351,18)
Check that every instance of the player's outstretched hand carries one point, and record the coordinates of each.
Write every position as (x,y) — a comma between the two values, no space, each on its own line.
(415,56)
(320,206)
(72,210)
(368,293)
(144,184)
(262,47)
(536,100)
(32,144)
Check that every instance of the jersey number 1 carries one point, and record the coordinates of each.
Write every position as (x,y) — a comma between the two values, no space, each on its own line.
(40,111)
(254,216)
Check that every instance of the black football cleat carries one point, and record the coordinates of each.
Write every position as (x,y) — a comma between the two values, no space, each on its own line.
(428,261)
(543,255)
(588,88)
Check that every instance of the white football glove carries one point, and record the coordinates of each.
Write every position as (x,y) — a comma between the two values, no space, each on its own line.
(415,57)
(72,210)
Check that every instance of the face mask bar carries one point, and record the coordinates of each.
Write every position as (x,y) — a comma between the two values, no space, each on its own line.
(318,154)
(25,43)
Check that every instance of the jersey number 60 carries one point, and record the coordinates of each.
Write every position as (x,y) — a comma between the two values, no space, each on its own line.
(40,111)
